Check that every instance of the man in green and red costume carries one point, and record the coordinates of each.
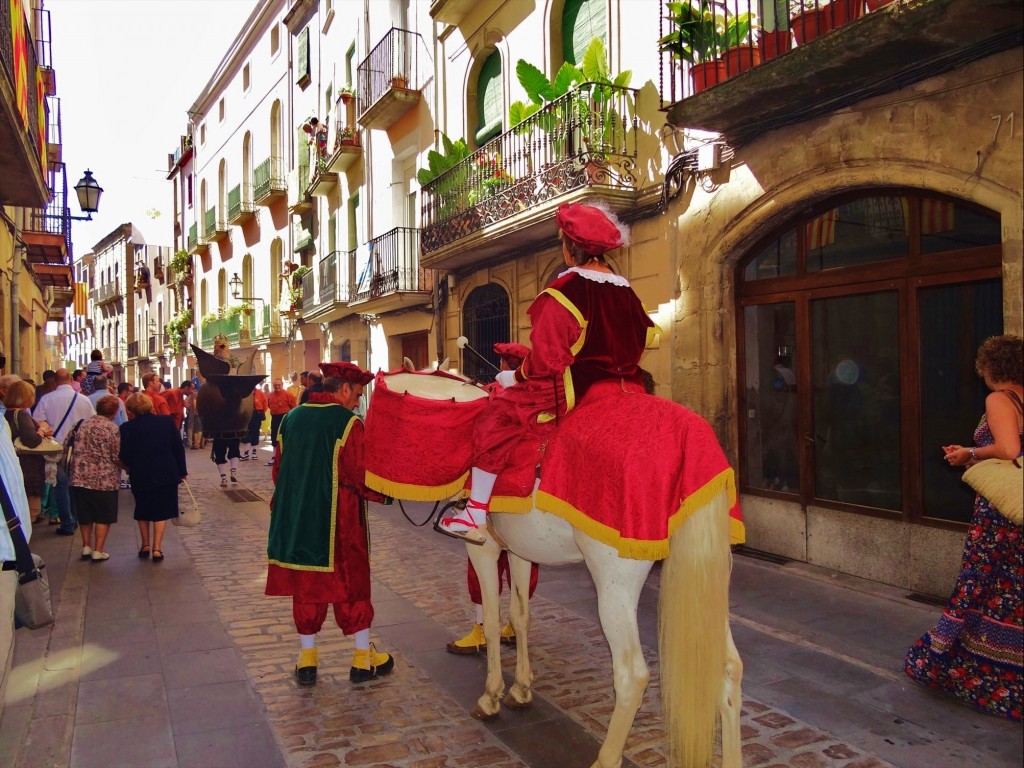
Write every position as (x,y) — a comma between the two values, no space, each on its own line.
(319,541)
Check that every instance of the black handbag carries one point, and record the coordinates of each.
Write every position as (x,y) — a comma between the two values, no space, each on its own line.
(32,606)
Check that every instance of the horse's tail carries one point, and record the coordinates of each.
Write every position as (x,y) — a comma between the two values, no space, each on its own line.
(693,631)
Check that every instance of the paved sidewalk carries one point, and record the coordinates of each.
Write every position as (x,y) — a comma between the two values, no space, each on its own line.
(187,663)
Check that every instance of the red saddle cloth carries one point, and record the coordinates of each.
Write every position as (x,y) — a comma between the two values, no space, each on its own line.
(628,468)
(420,446)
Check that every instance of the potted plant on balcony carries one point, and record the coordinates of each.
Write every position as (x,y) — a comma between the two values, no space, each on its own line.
(741,49)
(347,137)
(400,80)
(448,169)
(698,38)
(177,330)
(346,94)
(811,18)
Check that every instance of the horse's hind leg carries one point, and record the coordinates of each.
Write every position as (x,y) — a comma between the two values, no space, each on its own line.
(520,694)
(485,563)
(619,582)
(729,708)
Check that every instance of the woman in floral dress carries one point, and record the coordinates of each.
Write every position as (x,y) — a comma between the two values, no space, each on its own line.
(975,651)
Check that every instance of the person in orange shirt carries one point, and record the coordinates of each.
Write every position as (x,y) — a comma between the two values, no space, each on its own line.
(175,399)
(151,386)
(279,401)
(259,411)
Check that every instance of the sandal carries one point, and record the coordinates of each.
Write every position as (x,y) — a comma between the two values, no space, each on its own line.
(460,525)
(144,552)
(158,556)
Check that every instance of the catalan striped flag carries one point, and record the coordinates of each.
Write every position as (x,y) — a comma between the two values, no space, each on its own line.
(81,302)
(821,231)
(936,216)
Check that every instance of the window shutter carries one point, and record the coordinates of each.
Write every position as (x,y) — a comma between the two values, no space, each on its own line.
(489,100)
(302,59)
(582,21)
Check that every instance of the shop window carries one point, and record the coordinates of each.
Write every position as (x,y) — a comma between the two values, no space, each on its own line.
(858,324)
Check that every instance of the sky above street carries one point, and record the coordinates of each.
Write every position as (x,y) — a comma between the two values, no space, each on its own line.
(127,72)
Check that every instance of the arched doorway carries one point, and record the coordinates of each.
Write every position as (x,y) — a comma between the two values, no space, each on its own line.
(857,325)
(485,321)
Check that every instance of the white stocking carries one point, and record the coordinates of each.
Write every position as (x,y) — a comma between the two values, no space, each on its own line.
(362,638)
(307,641)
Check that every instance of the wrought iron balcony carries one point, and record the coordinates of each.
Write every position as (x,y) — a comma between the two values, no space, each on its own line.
(54,133)
(106,293)
(582,145)
(762,65)
(389,79)
(197,242)
(217,228)
(325,181)
(21,162)
(267,325)
(329,298)
(47,234)
(229,326)
(268,182)
(389,275)
(299,180)
(240,206)
(134,351)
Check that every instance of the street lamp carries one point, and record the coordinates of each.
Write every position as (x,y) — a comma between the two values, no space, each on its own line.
(88,191)
(235,284)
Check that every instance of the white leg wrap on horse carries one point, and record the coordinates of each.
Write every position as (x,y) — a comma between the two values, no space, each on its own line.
(483,486)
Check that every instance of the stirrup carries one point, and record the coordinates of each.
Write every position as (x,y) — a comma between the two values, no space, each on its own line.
(475,535)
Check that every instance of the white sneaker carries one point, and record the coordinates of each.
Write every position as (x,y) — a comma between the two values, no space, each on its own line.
(98,557)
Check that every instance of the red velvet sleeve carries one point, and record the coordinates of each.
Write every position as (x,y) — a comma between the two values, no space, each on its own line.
(351,464)
(555,330)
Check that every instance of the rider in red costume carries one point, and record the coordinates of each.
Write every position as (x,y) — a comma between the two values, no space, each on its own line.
(588,326)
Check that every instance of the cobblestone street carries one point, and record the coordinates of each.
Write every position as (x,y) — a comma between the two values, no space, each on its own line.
(189,664)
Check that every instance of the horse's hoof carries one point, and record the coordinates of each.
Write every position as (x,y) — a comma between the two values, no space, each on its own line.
(512,703)
(479,714)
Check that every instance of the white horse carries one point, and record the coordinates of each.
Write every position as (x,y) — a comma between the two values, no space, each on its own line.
(700,666)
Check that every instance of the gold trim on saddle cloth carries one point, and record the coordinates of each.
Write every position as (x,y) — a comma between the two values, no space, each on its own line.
(415,492)
(639,549)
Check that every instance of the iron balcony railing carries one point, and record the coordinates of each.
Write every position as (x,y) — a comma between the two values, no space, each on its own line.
(210,222)
(106,292)
(266,325)
(393,63)
(54,131)
(706,42)
(328,274)
(7,68)
(268,177)
(392,265)
(231,327)
(55,218)
(239,202)
(586,137)
(156,345)
(44,47)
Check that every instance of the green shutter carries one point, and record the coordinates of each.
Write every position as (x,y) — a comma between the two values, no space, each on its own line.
(489,100)
(302,59)
(582,21)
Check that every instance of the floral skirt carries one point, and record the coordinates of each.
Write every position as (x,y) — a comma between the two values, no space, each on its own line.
(975,651)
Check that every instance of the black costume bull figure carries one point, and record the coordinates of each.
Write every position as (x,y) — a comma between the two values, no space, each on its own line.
(224,401)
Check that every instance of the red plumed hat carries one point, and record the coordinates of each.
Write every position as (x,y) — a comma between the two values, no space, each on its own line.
(512,353)
(595,229)
(349,372)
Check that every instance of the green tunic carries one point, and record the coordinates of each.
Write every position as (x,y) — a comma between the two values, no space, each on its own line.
(304,505)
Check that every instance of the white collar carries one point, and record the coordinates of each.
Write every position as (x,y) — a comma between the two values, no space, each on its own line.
(598,277)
